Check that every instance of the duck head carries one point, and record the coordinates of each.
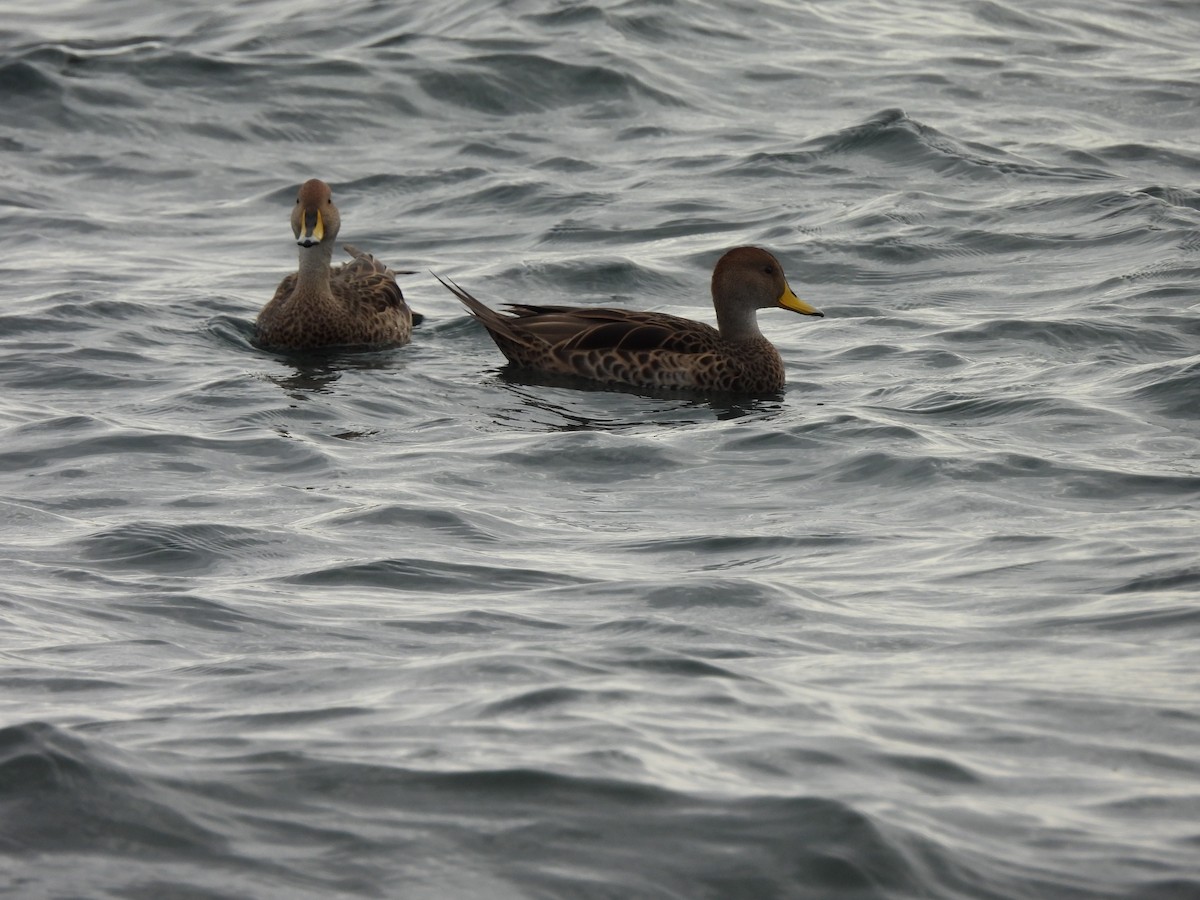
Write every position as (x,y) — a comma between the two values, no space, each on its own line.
(315,220)
(751,277)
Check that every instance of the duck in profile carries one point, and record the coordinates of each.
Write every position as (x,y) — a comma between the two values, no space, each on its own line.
(358,303)
(656,350)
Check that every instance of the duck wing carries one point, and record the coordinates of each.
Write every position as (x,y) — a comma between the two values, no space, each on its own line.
(571,328)
(367,281)
(613,346)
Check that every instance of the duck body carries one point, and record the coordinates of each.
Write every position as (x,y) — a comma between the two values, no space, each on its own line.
(321,305)
(650,349)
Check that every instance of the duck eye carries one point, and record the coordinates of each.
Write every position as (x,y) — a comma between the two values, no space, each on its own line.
(769,269)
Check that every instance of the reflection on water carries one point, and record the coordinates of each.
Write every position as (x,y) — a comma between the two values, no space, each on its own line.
(559,403)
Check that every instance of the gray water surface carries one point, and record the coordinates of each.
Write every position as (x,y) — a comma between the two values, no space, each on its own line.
(408,624)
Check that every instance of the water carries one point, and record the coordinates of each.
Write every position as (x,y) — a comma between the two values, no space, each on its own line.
(401,624)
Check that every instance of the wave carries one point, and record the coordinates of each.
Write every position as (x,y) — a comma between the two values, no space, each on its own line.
(518,830)
(67,794)
(893,137)
(516,83)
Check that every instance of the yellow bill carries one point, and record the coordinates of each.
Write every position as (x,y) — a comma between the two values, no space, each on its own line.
(788,300)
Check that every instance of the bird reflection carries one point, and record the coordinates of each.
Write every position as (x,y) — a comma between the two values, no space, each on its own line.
(315,372)
(561,403)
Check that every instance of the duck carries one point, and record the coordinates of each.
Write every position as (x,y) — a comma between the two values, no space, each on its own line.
(321,305)
(619,347)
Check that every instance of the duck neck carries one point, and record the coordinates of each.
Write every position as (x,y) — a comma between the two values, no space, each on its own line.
(738,323)
(314,269)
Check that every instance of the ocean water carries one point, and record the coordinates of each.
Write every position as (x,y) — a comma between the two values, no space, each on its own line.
(407,624)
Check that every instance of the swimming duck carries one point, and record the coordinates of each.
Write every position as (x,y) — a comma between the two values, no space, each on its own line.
(321,305)
(656,350)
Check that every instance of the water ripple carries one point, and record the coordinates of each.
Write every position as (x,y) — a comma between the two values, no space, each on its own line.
(321,624)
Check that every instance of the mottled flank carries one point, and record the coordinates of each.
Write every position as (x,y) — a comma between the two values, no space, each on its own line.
(320,305)
(656,350)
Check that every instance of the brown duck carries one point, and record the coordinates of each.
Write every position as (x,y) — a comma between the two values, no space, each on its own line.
(326,306)
(656,350)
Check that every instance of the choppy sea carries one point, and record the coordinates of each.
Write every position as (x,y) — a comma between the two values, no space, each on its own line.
(407,624)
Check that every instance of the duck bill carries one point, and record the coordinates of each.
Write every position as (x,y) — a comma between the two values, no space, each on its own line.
(788,300)
(314,229)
